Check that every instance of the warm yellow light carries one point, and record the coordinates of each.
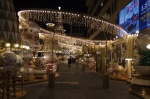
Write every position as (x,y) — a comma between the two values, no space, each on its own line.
(20,26)
(143,92)
(7,44)
(59,8)
(148,46)
(50,24)
(27,47)
(137,31)
(23,46)
(16,45)
(87,20)
(128,59)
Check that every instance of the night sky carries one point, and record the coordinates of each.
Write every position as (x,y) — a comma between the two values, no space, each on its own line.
(70,5)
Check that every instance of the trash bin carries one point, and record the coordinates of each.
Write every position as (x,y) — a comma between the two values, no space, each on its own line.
(106,81)
(51,80)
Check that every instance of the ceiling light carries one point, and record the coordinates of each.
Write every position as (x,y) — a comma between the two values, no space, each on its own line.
(148,46)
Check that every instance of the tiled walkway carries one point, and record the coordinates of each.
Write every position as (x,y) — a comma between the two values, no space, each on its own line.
(75,84)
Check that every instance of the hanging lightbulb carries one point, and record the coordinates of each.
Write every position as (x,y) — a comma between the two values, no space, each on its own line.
(137,31)
(59,8)
(148,46)
(7,44)
(27,47)
(16,45)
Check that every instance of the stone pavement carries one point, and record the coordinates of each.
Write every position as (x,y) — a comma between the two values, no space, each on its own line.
(73,83)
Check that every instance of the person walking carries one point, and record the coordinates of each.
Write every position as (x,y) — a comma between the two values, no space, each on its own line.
(69,62)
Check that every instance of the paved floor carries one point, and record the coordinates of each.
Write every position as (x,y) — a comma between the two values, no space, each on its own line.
(75,84)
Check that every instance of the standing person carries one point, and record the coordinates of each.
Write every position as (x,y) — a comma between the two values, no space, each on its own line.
(77,61)
(69,62)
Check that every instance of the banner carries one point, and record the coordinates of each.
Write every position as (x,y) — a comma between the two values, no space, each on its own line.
(129,17)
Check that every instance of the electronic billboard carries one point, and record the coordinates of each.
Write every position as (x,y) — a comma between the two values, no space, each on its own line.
(144,14)
(135,16)
(129,17)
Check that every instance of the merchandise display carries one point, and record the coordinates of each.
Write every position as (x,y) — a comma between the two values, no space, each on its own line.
(8,59)
(39,69)
(142,66)
(39,52)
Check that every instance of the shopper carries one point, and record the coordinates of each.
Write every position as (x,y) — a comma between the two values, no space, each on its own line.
(69,62)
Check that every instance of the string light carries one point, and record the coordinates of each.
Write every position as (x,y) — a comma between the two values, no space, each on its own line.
(70,18)
(7,44)
(16,45)
(79,19)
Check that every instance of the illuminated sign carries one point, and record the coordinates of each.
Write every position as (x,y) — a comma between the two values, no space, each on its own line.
(135,16)
(144,10)
(129,17)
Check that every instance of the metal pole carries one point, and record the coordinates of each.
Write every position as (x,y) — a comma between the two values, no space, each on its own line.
(106,76)
(71,29)
(52,74)
(8,84)
(52,48)
(3,74)
(22,82)
(14,82)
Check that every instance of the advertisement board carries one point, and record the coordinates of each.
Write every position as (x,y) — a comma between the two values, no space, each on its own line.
(129,17)
(144,14)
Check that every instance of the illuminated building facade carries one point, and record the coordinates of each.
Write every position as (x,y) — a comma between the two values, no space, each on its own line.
(107,9)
